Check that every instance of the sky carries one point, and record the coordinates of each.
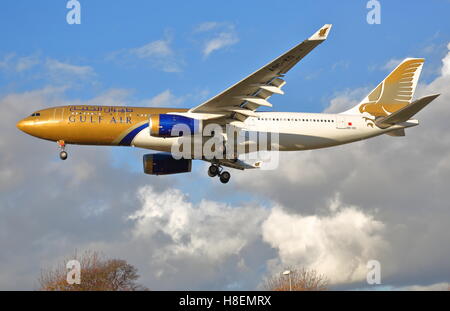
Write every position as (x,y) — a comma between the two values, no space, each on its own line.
(332,210)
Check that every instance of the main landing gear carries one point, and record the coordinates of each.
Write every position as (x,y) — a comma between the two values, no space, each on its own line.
(62,146)
(216,170)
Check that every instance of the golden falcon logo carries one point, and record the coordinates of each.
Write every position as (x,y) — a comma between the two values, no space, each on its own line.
(395,92)
(323,32)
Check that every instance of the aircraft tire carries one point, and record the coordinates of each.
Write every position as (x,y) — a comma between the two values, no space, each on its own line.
(225,177)
(213,171)
(63,155)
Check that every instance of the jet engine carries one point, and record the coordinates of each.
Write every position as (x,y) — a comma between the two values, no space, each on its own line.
(171,125)
(165,164)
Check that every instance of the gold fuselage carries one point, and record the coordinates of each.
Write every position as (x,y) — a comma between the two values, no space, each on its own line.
(90,125)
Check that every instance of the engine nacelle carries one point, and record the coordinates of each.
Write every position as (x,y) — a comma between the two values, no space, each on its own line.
(164,164)
(171,125)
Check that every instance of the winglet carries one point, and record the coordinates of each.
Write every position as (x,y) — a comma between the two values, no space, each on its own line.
(322,33)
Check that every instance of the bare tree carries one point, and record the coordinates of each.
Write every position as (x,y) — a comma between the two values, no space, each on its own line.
(301,279)
(97,274)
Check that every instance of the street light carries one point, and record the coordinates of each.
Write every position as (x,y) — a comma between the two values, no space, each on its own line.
(288,273)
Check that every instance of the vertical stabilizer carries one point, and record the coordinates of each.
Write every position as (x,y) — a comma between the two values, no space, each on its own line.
(393,93)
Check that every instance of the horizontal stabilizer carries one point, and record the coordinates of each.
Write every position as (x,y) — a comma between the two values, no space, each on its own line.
(405,113)
(397,133)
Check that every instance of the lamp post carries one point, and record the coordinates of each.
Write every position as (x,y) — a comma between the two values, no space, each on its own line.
(288,273)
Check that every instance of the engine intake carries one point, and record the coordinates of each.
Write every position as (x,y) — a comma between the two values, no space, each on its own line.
(170,125)
(165,164)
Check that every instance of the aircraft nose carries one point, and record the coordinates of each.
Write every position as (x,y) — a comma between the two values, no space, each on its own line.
(23,125)
(20,125)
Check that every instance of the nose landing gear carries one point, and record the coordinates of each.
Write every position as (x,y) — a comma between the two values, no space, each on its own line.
(63,154)
(216,170)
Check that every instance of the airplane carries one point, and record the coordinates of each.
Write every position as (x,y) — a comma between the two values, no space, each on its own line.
(387,109)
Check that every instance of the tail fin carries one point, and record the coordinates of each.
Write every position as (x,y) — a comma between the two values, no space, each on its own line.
(393,93)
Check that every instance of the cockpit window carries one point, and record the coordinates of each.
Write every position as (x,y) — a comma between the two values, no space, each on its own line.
(36,114)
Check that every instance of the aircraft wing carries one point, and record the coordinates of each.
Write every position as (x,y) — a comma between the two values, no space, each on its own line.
(252,92)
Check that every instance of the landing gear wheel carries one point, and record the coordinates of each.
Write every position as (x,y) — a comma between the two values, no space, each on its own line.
(62,146)
(224,177)
(213,171)
(63,155)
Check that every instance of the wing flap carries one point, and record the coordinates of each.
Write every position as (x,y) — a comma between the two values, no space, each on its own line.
(245,112)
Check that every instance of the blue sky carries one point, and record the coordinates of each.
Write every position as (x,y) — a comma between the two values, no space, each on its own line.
(263,30)
(150,53)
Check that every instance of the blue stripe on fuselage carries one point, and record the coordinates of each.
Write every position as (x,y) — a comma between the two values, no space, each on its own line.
(126,141)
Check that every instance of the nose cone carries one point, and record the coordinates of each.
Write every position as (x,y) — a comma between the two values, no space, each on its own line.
(24,125)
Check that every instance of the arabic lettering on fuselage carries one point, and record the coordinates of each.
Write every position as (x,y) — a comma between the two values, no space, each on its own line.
(101,109)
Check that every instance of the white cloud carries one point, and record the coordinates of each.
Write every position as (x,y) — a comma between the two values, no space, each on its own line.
(158,53)
(338,244)
(346,100)
(158,48)
(190,243)
(168,99)
(208,230)
(207,26)
(446,63)
(175,238)
(59,68)
(163,99)
(342,64)
(444,286)
(111,97)
(27,62)
(12,62)
(216,36)
(222,40)
(49,70)
(387,66)
(7,60)
(391,64)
